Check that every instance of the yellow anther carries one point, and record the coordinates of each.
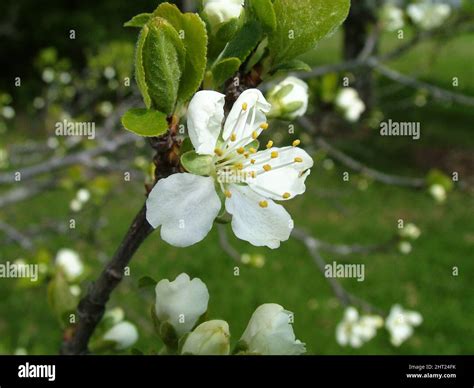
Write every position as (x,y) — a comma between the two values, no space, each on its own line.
(298,160)
(244,106)
(263,204)
(240,150)
(252,150)
(264,125)
(270,144)
(252,161)
(227,193)
(296,143)
(218,152)
(274,154)
(239,166)
(286,195)
(254,135)
(246,154)
(253,174)
(233,137)
(267,167)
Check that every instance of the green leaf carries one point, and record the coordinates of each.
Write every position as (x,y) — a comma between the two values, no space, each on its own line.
(138,20)
(303,23)
(139,69)
(145,122)
(244,41)
(263,11)
(197,164)
(293,65)
(163,57)
(224,70)
(192,31)
(146,281)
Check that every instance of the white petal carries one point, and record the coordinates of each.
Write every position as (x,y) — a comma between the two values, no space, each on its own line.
(205,116)
(259,226)
(291,179)
(240,122)
(185,205)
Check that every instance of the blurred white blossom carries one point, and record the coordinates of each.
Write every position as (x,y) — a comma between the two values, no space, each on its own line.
(400,323)
(70,263)
(48,75)
(438,192)
(355,330)
(404,247)
(392,17)
(349,102)
(8,112)
(410,231)
(428,14)
(65,77)
(109,72)
(124,334)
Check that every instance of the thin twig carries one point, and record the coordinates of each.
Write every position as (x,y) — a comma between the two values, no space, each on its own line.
(226,245)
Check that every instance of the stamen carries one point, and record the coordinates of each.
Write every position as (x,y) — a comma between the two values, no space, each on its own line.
(270,144)
(264,126)
(254,135)
(274,154)
(252,150)
(239,166)
(296,143)
(298,160)
(233,136)
(240,150)
(227,193)
(244,106)
(218,152)
(263,204)
(252,161)
(267,167)
(246,154)
(286,195)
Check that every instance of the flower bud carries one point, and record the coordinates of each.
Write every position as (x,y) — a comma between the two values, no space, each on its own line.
(289,99)
(209,338)
(349,102)
(438,192)
(218,12)
(181,302)
(269,332)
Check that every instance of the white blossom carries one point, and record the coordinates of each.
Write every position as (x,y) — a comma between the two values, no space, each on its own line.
(8,112)
(349,102)
(411,231)
(70,262)
(185,204)
(181,302)
(209,338)
(428,14)
(48,75)
(75,205)
(392,17)
(400,323)
(83,195)
(289,98)
(438,192)
(124,334)
(269,332)
(355,330)
(404,247)
(109,72)
(218,12)
(65,77)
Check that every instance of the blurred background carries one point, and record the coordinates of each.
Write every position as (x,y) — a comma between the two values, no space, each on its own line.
(74,61)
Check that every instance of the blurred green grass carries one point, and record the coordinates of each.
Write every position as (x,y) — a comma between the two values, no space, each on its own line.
(332,210)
